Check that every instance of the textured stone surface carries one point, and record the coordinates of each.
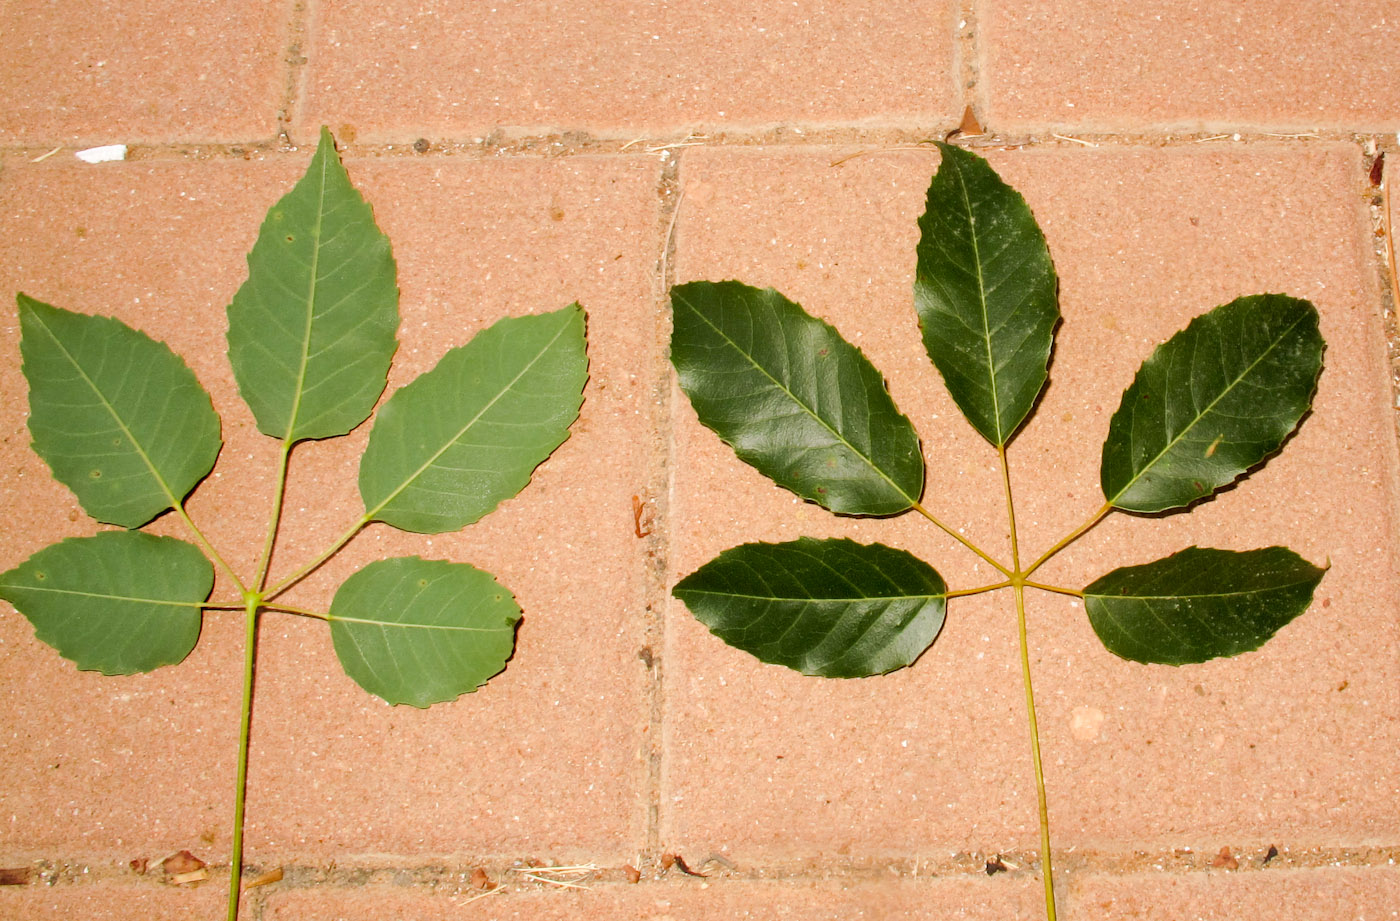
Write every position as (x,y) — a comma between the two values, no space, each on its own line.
(1290,65)
(1328,894)
(962,899)
(628,66)
(106,72)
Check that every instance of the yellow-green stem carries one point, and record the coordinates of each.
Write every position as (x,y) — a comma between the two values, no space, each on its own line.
(306,570)
(241,784)
(976,591)
(260,581)
(208,547)
(1046,868)
(1018,584)
(962,540)
(1069,538)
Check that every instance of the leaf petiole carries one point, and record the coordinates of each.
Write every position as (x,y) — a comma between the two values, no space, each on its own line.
(276,518)
(1057,589)
(1067,540)
(309,568)
(962,540)
(209,548)
(300,612)
(979,590)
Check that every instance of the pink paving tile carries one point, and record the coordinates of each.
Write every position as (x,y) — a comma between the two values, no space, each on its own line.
(954,899)
(103,71)
(1326,894)
(625,66)
(1186,65)
(112,902)
(549,756)
(1296,736)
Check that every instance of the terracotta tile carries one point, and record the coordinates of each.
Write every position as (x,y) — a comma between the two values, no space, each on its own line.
(1298,735)
(549,757)
(627,67)
(1327,894)
(965,899)
(113,902)
(1182,65)
(101,71)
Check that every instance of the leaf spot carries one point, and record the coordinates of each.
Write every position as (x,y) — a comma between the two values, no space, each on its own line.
(96,475)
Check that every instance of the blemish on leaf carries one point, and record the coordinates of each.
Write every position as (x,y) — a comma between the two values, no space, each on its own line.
(1210,450)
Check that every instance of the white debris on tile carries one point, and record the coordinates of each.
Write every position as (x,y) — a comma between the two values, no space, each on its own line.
(104,154)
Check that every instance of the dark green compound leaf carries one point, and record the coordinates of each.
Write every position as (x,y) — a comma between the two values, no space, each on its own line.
(311,332)
(118,602)
(1214,400)
(985,290)
(795,400)
(452,445)
(1200,603)
(118,417)
(833,608)
(420,632)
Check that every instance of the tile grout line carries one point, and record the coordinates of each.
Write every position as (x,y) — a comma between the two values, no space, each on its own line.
(659,484)
(967,40)
(294,61)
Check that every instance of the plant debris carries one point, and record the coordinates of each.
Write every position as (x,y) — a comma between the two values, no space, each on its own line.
(15,876)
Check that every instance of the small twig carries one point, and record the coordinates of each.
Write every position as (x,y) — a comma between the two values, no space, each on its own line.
(1066,137)
(925,145)
(670,239)
(483,894)
(692,140)
(543,874)
(1213,137)
(1305,134)
(42,157)
(638,509)
(1389,241)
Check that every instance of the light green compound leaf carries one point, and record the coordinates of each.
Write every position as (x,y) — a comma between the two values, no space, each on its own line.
(1200,603)
(833,608)
(986,294)
(795,400)
(453,444)
(311,332)
(118,417)
(118,602)
(1211,402)
(420,632)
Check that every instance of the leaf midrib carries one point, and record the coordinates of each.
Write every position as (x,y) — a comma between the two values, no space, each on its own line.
(778,384)
(1201,415)
(1282,586)
(173,501)
(371,513)
(122,599)
(310,303)
(745,596)
(982,300)
(413,626)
